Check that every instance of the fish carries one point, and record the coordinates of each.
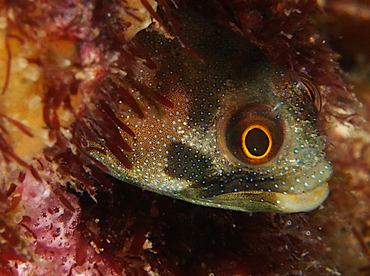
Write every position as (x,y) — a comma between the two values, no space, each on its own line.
(242,132)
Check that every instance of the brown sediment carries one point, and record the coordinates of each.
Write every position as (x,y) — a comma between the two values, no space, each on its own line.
(62,86)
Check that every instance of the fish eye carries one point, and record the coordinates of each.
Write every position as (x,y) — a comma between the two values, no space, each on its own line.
(311,90)
(253,136)
(256,142)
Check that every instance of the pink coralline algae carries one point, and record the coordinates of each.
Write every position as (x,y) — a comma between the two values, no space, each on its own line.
(54,244)
(50,225)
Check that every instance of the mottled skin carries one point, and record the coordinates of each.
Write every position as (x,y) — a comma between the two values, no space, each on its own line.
(194,151)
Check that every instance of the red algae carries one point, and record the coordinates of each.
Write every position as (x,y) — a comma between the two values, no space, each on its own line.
(60,214)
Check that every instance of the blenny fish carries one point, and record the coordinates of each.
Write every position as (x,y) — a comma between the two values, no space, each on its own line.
(242,134)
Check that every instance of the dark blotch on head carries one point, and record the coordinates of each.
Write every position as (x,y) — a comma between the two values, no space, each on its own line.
(185,162)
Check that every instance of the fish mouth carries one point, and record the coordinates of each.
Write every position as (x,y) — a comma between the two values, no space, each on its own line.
(291,193)
(257,201)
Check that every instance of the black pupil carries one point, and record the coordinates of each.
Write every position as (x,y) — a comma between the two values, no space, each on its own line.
(257,142)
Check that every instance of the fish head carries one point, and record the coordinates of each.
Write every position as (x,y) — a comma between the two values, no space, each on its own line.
(241,134)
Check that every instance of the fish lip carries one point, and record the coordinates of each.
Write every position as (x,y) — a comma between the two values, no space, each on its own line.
(257,201)
(304,202)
